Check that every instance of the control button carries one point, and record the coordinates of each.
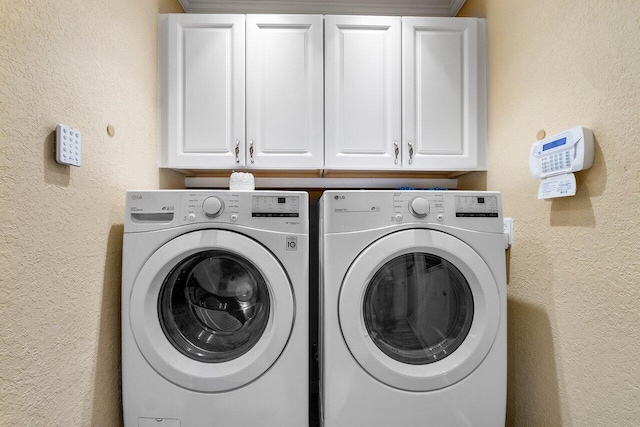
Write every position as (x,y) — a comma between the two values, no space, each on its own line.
(192,217)
(234,217)
(419,207)
(399,217)
(440,217)
(212,206)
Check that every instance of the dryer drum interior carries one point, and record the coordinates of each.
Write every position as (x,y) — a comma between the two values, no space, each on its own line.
(418,308)
(214,306)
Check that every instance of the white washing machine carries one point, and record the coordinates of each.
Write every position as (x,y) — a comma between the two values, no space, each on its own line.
(413,309)
(214,308)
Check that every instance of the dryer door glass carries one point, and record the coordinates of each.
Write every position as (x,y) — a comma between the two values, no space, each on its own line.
(214,306)
(418,308)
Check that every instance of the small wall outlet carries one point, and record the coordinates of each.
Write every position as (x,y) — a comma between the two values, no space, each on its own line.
(68,145)
(508,232)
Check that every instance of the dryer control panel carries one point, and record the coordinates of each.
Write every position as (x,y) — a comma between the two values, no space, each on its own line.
(477,206)
(370,209)
(419,205)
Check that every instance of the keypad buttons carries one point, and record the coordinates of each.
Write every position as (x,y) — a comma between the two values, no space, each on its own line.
(556,162)
(68,145)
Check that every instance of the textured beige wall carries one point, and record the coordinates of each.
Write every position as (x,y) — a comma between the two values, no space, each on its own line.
(87,64)
(574,281)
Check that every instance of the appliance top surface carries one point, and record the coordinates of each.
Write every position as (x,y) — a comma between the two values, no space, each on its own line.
(348,211)
(149,210)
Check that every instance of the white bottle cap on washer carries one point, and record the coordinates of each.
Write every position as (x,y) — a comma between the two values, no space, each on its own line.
(241,181)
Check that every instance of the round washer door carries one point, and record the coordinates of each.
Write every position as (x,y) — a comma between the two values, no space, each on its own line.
(419,310)
(212,310)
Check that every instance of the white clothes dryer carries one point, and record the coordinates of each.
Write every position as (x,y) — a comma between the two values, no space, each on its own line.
(413,309)
(214,308)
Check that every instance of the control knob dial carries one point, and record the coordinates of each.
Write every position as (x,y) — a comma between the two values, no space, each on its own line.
(419,207)
(212,206)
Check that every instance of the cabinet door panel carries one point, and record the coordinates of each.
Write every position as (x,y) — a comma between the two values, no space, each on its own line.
(362,100)
(440,102)
(202,87)
(442,94)
(205,84)
(285,91)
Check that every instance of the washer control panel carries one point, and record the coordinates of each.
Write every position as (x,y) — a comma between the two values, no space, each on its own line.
(270,210)
(275,206)
(207,206)
(212,206)
(419,207)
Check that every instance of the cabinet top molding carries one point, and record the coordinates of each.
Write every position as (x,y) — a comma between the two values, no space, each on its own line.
(364,7)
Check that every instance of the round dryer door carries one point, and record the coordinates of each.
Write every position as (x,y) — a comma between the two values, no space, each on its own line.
(419,310)
(212,310)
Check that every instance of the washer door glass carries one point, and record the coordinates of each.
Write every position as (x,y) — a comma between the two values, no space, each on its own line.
(418,308)
(214,306)
(211,310)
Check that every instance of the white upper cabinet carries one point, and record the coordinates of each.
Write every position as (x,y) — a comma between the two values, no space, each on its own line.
(284,92)
(442,120)
(202,91)
(205,122)
(443,94)
(313,92)
(362,98)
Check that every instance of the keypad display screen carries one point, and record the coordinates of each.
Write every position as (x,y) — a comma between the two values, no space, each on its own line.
(554,144)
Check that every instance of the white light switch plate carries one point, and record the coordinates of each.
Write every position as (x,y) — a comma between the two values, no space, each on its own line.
(68,145)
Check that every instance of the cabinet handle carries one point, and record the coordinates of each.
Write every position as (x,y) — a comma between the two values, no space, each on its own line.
(237,151)
(397,151)
(251,151)
(410,153)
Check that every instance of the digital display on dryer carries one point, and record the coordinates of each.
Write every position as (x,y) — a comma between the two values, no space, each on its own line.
(476,206)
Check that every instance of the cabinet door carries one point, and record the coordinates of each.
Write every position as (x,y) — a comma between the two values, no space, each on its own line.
(443,104)
(284,92)
(202,91)
(362,97)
